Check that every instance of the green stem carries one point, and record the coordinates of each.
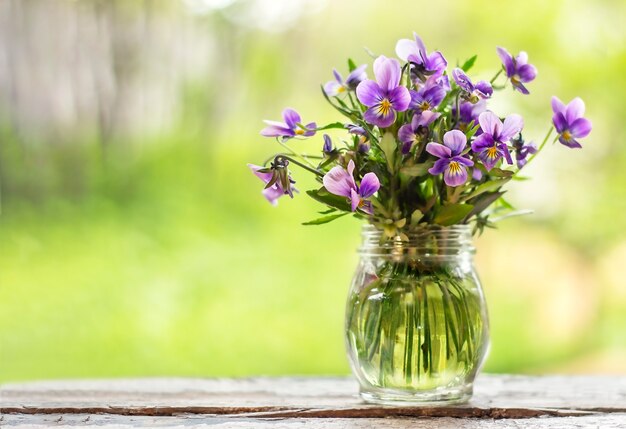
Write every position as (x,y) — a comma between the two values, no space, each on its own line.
(299,164)
(541,146)
(493,79)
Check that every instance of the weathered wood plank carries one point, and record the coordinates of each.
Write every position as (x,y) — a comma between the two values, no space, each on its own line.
(605,421)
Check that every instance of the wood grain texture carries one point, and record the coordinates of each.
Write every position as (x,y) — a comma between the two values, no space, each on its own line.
(499,401)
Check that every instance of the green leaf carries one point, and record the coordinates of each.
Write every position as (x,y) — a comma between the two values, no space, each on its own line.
(498,172)
(329,211)
(416,216)
(467,65)
(491,185)
(416,170)
(452,213)
(482,202)
(351,65)
(333,125)
(471,130)
(388,146)
(325,197)
(325,219)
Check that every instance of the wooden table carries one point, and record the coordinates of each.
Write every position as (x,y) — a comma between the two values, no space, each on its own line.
(500,401)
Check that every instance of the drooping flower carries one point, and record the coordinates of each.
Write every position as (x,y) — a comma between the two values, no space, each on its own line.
(424,64)
(522,150)
(428,96)
(491,145)
(481,90)
(517,69)
(292,126)
(451,163)
(408,134)
(341,182)
(385,96)
(278,179)
(469,113)
(569,122)
(338,86)
(328,144)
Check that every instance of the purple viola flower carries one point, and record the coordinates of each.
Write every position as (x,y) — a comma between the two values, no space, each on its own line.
(337,86)
(424,64)
(569,122)
(517,69)
(328,144)
(385,96)
(451,163)
(290,128)
(408,134)
(277,189)
(341,182)
(428,96)
(481,90)
(491,145)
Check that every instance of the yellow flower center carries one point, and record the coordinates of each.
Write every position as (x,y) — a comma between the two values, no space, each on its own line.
(567,135)
(515,80)
(454,167)
(299,131)
(384,107)
(341,88)
(425,105)
(492,152)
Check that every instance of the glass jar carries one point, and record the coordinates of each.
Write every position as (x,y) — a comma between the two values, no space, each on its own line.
(416,320)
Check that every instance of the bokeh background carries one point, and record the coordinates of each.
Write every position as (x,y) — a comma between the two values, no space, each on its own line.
(134,241)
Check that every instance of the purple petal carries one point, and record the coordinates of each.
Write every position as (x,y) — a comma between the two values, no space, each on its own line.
(455,174)
(580,128)
(406,48)
(436,62)
(513,124)
(482,142)
(369,93)
(434,95)
(520,87)
(338,182)
(439,167)
(559,122)
(462,80)
(420,45)
(455,140)
(527,72)
(477,174)
(406,134)
(332,88)
(490,157)
(571,143)
(438,150)
(574,110)
(504,149)
(400,98)
(277,129)
(484,89)
(387,72)
(338,77)
(310,129)
(265,177)
(425,118)
(374,115)
(356,76)
(272,194)
(490,123)
(521,59)
(558,106)
(507,61)
(355,199)
(463,160)
(369,185)
(351,167)
(291,118)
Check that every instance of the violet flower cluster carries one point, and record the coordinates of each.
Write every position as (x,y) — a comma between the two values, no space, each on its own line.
(419,144)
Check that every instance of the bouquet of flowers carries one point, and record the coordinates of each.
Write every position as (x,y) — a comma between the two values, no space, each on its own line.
(421,146)
(421,158)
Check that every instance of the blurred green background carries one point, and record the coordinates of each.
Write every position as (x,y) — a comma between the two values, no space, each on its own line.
(135,242)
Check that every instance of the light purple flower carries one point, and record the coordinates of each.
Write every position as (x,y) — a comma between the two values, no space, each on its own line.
(276,190)
(290,128)
(451,163)
(328,144)
(428,96)
(385,96)
(338,86)
(414,51)
(491,145)
(569,122)
(517,69)
(482,89)
(408,134)
(341,182)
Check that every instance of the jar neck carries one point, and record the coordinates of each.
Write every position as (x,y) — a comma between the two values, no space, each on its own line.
(430,241)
